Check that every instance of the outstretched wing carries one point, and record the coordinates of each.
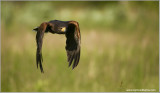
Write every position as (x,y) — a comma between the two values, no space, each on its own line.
(73,43)
(39,40)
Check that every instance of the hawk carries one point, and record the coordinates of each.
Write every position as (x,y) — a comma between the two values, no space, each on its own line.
(73,39)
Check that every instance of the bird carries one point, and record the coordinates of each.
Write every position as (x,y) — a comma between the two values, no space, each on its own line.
(70,29)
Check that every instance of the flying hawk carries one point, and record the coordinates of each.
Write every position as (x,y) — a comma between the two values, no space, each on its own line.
(72,32)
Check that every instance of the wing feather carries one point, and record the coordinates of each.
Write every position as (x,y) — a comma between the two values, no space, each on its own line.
(73,43)
(39,40)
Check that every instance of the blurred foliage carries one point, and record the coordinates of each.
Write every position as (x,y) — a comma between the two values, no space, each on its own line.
(120,46)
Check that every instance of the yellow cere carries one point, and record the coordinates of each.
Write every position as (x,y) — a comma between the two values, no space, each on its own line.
(63,29)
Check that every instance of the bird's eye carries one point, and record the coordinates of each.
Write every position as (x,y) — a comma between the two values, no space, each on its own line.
(60,28)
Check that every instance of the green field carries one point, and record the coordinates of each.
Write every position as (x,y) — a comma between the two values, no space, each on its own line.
(119,47)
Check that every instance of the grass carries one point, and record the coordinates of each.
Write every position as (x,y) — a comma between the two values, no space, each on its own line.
(109,63)
(115,57)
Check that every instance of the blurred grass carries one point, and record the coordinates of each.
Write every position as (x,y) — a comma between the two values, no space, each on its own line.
(120,47)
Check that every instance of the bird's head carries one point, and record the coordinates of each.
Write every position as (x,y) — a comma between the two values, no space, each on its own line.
(58,29)
(61,30)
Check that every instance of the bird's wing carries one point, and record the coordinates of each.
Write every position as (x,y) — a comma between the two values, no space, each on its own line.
(73,43)
(39,40)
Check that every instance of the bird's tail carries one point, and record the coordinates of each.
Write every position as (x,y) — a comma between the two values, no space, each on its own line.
(35,29)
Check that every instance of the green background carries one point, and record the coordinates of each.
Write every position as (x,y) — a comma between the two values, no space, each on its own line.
(119,46)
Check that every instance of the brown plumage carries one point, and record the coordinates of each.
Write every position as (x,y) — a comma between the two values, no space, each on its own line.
(73,39)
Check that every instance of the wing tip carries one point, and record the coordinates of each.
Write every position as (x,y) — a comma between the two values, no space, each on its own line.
(73,67)
(42,71)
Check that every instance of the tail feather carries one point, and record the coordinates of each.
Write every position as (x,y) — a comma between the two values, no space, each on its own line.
(35,29)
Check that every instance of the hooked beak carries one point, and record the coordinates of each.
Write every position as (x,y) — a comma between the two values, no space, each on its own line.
(63,29)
